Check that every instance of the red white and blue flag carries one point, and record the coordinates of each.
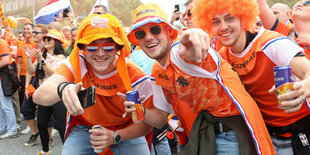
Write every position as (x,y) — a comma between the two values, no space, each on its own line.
(47,13)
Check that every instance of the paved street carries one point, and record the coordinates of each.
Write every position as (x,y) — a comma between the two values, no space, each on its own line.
(15,146)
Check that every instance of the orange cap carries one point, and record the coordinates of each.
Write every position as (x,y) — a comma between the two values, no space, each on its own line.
(55,35)
(148,13)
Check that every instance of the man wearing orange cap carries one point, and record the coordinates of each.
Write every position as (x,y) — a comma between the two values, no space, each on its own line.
(254,55)
(212,88)
(101,46)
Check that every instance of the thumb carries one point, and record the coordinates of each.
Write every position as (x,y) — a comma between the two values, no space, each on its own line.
(78,87)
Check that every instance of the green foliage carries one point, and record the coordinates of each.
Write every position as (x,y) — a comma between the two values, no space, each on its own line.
(122,9)
(290,3)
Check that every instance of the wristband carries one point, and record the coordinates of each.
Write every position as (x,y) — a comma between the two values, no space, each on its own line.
(62,88)
(144,110)
(58,89)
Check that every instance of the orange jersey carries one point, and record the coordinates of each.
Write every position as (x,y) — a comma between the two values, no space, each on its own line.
(5,50)
(108,108)
(20,53)
(255,67)
(284,29)
(211,86)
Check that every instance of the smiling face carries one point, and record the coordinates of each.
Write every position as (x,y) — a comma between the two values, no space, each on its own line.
(156,46)
(49,43)
(102,62)
(228,31)
(28,31)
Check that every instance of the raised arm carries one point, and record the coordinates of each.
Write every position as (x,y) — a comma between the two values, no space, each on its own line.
(266,15)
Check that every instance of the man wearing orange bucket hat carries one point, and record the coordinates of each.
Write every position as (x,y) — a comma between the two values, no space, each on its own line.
(211,88)
(101,45)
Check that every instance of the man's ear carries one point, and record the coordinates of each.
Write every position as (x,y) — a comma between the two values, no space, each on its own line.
(170,31)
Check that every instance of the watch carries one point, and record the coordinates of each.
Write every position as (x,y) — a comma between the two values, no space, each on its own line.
(43,62)
(117,138)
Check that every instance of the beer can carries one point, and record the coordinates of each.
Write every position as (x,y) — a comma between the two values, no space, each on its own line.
(97,127)
(283,81)
(138,115)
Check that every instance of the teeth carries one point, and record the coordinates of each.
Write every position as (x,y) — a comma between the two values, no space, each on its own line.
(225,34)
(100,60)
(151,45)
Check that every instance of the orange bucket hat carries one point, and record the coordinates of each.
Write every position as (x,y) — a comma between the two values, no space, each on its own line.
(149,13)
(95,27)
(55,35)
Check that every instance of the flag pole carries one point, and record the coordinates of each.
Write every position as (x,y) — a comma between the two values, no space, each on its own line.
(33,10)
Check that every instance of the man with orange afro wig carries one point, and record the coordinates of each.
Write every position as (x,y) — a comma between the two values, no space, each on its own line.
(254,55)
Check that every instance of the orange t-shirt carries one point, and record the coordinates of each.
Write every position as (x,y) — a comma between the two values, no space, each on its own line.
(255,67)
(5,50)
(108,108)
(20,53)
(284,29)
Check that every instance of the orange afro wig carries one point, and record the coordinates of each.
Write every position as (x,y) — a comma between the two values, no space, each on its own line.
(205,10)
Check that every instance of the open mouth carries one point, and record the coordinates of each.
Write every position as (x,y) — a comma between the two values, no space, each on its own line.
(100,59)
(225,34)
(152,45)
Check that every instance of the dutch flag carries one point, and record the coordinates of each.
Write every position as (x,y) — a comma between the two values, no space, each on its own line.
(47,13)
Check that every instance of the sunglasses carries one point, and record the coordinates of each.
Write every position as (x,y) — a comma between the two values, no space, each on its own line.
(154,30)
(188,13)
(47,39)
(259,23)
(36,32)
(94,47)
(305,3)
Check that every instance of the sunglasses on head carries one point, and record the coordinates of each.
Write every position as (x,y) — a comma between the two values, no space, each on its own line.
(305,3)
(47,39)
(94,47)
(188,13)
(154,30)
(36,32)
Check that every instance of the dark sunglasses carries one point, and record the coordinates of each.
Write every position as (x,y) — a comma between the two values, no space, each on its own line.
(36,32)
(188,13)
(47,39)
(155,30)
(259,23)
(305,3)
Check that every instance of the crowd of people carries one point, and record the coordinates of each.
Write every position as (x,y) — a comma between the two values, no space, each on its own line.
(210,81)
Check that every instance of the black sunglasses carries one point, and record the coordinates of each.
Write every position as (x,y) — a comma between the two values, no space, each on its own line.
(47,39)
(36,32)
(155,30)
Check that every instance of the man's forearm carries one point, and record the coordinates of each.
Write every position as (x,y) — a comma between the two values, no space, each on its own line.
(135,131)
(156,118)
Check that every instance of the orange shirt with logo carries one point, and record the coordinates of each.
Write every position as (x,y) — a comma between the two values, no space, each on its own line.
(108,108)
(255,67)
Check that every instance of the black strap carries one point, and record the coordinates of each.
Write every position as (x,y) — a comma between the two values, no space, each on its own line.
(60,89)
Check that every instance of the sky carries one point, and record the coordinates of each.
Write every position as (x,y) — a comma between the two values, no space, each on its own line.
(168,5)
